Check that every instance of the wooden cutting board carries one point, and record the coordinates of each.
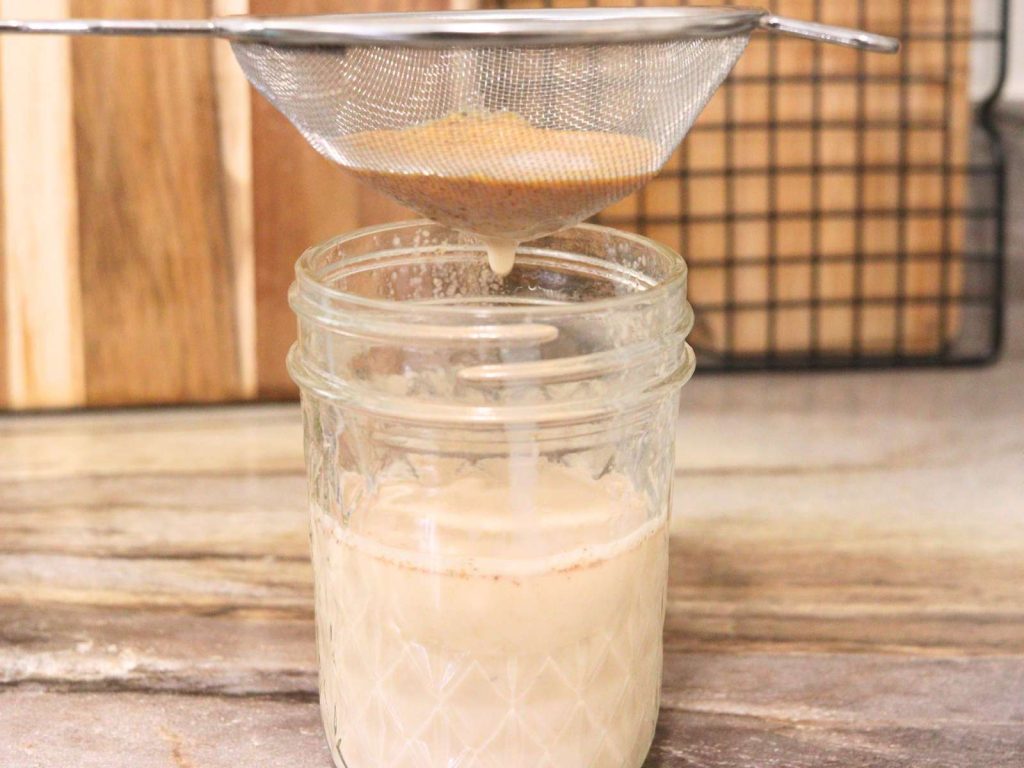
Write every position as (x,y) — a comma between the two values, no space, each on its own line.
(151,212)
(151,209)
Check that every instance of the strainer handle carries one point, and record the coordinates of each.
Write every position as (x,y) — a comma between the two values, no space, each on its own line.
(826,33)
(131,27)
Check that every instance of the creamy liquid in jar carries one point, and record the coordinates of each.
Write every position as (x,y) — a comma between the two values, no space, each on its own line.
(500,177)
(489,616)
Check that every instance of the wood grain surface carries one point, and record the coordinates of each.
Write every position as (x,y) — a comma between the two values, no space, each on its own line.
(159,308)
(42,298)
(847,580)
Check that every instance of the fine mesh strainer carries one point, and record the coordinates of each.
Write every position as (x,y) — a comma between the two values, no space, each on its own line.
(509,124)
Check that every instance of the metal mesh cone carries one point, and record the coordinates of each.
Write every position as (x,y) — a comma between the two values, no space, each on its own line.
(512,141)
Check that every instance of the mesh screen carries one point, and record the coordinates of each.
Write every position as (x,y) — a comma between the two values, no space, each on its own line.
(529,139)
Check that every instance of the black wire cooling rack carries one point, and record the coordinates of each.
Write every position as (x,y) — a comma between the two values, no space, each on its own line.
(838,209)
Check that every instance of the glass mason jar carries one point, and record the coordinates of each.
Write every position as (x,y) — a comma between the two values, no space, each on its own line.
(490,463)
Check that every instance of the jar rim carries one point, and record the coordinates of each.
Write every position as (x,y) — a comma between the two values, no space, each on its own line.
(306,280)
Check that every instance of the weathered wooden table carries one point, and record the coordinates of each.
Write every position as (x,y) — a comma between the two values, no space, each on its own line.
(847,580)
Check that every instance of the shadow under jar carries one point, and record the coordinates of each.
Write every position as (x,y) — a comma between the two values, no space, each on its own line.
(490,463)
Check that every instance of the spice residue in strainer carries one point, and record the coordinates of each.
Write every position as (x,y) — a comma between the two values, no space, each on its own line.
(500,177)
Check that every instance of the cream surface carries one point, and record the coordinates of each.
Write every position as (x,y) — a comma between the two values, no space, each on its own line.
(494,615)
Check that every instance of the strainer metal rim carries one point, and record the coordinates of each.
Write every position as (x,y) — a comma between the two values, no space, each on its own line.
(451,29)
(520,27)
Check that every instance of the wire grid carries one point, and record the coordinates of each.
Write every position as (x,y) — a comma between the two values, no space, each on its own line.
(839,209)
